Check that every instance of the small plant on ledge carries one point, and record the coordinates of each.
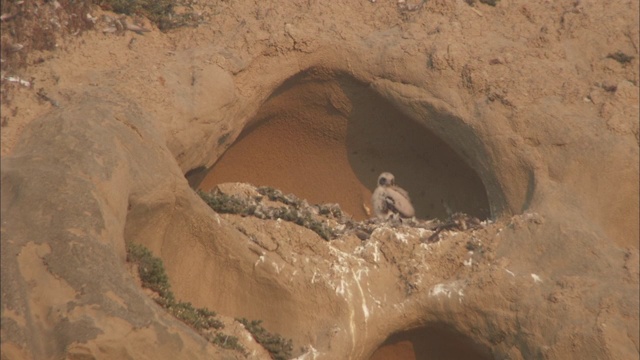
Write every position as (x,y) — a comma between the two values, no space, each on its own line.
(153,277)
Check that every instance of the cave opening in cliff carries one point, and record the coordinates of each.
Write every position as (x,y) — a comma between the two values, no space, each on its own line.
(326,137)
(437,341)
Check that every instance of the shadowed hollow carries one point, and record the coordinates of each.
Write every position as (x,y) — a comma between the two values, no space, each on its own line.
(326,138)
(434,342)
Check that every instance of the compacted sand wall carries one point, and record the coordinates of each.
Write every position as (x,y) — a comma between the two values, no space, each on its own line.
(514,113)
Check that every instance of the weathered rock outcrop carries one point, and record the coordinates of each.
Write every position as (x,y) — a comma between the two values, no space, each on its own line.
(513,92)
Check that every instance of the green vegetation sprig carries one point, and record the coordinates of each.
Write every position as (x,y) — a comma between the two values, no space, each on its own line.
(154,277)
(279,347)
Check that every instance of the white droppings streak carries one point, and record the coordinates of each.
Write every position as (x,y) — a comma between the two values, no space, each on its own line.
(310,354)
(422,232)
(510,272)
(357,276)
(439,289)
(448,289)
(376,252)
(260,259)
(340,289)
(365,310)
(359,272)
(278,268)
(536,278)
(376,256)
(16,79)
(402,237)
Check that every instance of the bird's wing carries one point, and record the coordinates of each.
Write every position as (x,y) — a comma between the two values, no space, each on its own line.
(398,199)
(379,202)
(402,191)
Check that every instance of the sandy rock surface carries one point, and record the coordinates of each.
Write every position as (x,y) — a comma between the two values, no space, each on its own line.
(517,114)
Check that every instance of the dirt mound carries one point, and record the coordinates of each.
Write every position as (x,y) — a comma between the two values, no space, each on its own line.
(524,115)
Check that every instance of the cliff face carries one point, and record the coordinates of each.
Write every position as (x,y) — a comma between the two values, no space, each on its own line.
(521,114)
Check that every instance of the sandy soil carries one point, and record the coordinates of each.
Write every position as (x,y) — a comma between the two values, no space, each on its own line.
(522,109)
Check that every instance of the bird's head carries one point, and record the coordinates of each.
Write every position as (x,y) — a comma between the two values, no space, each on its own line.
(386,179)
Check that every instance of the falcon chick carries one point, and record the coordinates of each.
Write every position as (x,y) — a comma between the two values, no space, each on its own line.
(389,199)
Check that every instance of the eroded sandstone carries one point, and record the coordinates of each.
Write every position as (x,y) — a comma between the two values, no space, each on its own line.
(521,93)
